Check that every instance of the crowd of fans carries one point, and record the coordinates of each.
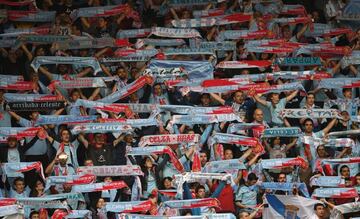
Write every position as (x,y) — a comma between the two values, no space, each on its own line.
(253,108)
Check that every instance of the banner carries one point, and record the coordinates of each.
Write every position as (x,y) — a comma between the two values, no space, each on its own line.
(119,170)
(298,61)
(244,64)
(288,206)
(174,33)
(81,61)
(220,166)
(282,132)
(36,106)
(97,187)
(128,89)
(310,113)
(284,162)
(335,193)
(327,181)
(171,68)
(169,139)
(69,180)
(100,128)
(193,203)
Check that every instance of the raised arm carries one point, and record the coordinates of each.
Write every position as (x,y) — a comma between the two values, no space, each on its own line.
(83,140)
(292,95)
(329,126)
(218,98)
(258,99)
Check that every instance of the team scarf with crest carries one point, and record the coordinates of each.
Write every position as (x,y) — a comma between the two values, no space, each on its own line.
(238,140)
(105,11)
(277,186)
(109,107)
(158,42)
(89,43)
(100,128)
(244,64)
(86,82)
(43,202)
(11,97)
(193,203)
(79,214)
(282,132)
(16,86)
(239,127)
(19,132)
(133,33)
(204,119)
(244,34)
(220,166)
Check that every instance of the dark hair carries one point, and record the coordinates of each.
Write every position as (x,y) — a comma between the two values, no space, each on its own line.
(317,205)
(343,167)
(308,120)
(33,213)
(19,179)
(310,93)
(252,177)
(198,188)
(346,89)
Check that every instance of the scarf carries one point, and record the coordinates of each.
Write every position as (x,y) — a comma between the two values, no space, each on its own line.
(284,162)
(112,107)
(36,106)
(169,139)
(158,42)
(339,142)
(77,83)
(188,51)
(203,119)
(128,89)
(18,132)
(72,199)
(196,22)
(238,140)
(174,33)
(63,119)
(31,16)
(10,210)
(119,170)
(180,179)
(244,64)
(13,97)
(42,39)
(133,33)
(128,207)
(17,86)
(170,69)
(327,181)
(293,10)
(19,3)
(105,11)
(286,187)
(208,13)
(350,60)
(323,48)
(340,210)
(89,43)
(332,83)
(310,113)
(244,34)
(193,203)
(238,127)
(282,132)
(131,53)
(335,193)
(271,50)
(220,166)
(184,3)
(100,128)
(348,132)
(97,187)
(81,61)
(69,180)
(42,202)
(298,61)
(79,214)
